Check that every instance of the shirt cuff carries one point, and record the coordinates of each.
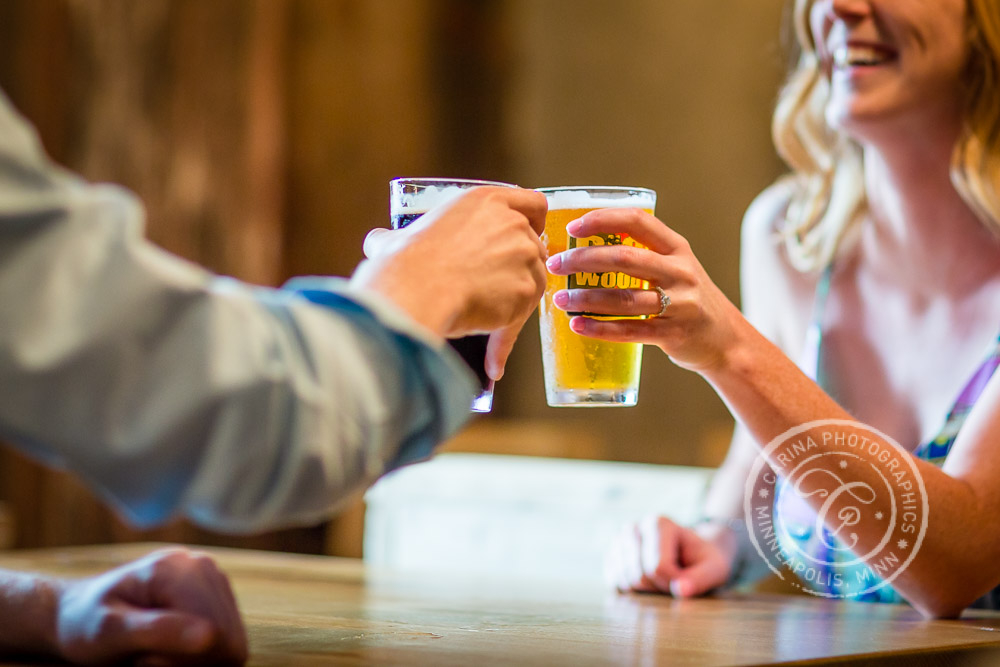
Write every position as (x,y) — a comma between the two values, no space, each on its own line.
(447,376)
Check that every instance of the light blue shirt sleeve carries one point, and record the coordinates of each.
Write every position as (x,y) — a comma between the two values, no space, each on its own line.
(173,391)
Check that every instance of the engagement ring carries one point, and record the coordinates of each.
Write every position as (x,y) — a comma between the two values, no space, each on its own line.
(664,301)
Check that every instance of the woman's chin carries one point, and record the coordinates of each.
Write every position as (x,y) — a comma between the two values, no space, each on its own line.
(862,121)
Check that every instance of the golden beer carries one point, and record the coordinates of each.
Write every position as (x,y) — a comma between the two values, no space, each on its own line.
(582,371)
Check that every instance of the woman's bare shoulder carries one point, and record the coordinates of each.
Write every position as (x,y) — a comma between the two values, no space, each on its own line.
(777,297)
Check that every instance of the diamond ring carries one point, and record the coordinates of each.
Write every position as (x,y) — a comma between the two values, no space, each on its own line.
(664,301)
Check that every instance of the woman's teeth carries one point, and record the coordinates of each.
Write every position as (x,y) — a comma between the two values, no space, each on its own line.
(853,56)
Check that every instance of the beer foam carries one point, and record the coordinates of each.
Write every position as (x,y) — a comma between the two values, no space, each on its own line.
(560,200)
(423,201)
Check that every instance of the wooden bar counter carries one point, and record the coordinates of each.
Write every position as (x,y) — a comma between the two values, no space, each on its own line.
(311,610)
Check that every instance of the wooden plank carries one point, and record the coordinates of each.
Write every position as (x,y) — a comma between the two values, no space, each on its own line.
(360,108)
(182,102)
(183,107)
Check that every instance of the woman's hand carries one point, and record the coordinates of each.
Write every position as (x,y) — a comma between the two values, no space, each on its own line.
(657,555)
(695,329)
(172,607)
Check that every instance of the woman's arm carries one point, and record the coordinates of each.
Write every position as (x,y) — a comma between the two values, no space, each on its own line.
(958,558)
(659,555)
(769,395)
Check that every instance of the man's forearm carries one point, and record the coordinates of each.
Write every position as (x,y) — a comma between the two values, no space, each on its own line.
(28,605)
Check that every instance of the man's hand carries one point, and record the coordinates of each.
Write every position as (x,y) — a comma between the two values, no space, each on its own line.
(172,607)
(474,265)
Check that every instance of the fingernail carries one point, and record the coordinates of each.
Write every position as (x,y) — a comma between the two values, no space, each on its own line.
(554,262)
(577,324)
(574,227)
(561,298)
(679,589)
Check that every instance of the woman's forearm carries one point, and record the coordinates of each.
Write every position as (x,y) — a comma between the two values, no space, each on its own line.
(765,390)
(704,332)
(723,511)
(28,605)
(769,395)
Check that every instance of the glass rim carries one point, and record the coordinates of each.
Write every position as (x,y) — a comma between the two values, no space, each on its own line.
(430,180)
(596,188)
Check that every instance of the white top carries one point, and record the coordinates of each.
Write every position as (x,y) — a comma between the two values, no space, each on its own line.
(174,391)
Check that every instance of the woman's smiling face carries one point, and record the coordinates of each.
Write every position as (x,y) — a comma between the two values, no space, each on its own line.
(890,60)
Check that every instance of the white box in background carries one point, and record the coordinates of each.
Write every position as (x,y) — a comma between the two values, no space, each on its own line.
(480,514)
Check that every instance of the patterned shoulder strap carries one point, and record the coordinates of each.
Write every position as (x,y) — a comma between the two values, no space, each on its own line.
(811,362)
(937,449)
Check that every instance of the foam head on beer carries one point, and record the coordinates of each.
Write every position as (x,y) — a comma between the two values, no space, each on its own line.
(410,198)
(561,200)
(413,203)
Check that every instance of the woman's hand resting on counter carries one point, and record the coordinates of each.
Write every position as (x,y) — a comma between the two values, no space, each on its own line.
(658,555)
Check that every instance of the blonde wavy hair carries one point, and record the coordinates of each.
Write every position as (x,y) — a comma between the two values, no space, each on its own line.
(828,200)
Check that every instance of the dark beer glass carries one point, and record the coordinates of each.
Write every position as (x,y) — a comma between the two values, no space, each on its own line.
(410,198)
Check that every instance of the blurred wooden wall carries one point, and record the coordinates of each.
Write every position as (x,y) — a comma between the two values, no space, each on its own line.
(182,102)
(249,129)
(261,135)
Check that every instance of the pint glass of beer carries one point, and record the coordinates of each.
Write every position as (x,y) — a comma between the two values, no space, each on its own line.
(410,198)
(579,371)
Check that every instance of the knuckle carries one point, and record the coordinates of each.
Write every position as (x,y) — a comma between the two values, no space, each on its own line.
(479,194)
(169,560)
(534,286)
(527,247)
(169,552)
(633,215)
(664,524)
(522,226)
(685,276)
(622,255)
(182,560)
(528,289)
(539,199)
(109,624)
(570,260)
(203,562)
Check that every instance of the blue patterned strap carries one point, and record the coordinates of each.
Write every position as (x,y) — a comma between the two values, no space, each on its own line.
(937,449)
(811,362)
